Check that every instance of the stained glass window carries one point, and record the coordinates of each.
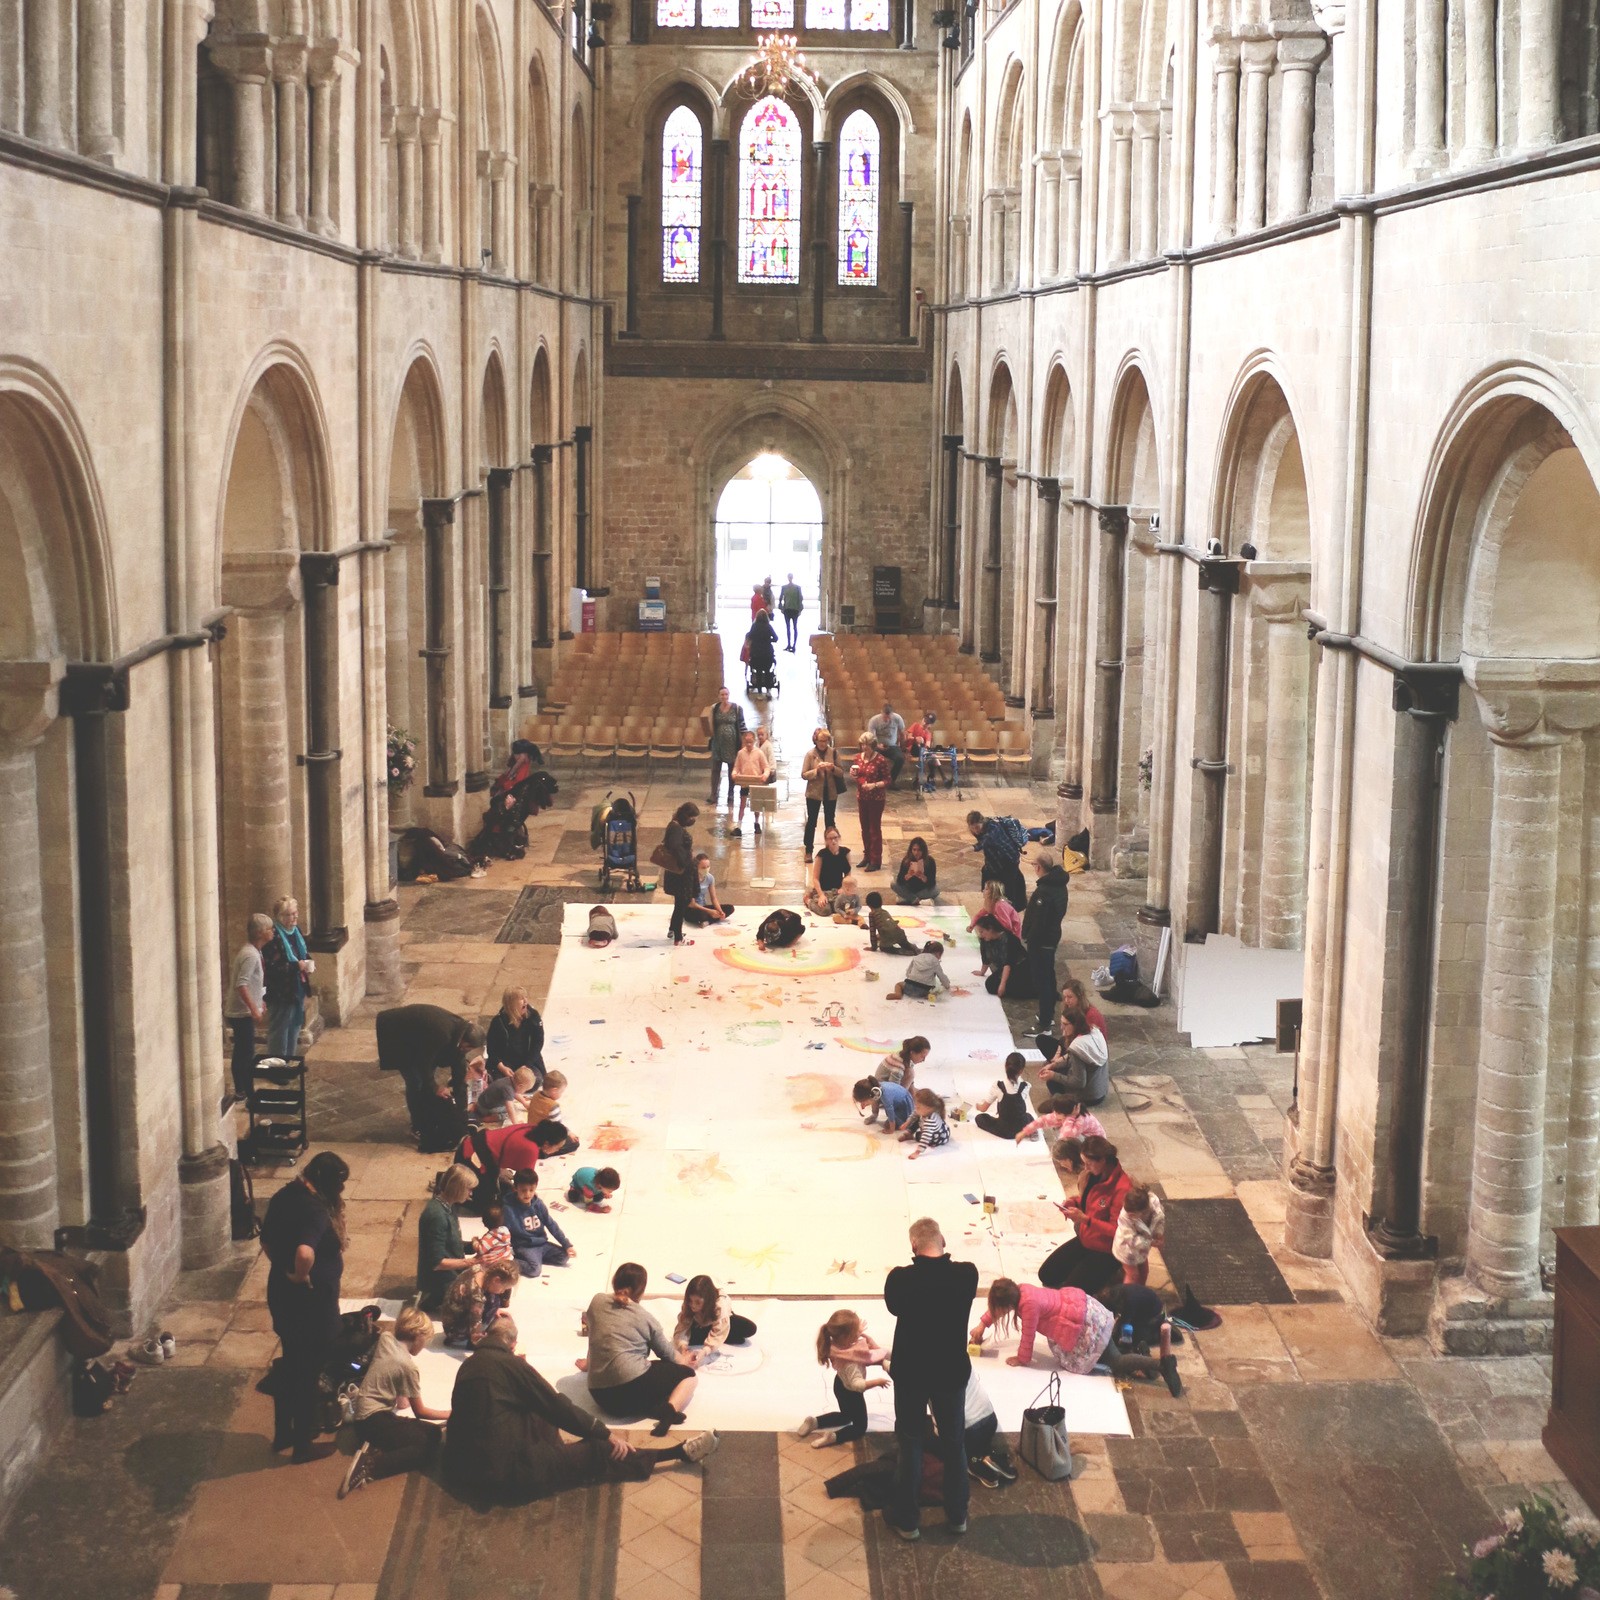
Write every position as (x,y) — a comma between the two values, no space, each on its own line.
(719,13)
(869,16)
(769,194)
(674,13)
(681,178)
(771,13)
(858,199)
(825,13)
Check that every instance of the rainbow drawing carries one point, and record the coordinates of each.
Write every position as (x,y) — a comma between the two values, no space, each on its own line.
(873,1047)
(796,962)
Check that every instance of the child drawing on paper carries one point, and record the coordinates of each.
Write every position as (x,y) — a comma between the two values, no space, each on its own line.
(842,1344)
(706,1322)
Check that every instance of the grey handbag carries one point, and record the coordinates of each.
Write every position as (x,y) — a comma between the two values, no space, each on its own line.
(1044,1443)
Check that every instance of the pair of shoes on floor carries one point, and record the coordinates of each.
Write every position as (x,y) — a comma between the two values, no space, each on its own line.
(159,1347)
(992,1471)
(359,1473)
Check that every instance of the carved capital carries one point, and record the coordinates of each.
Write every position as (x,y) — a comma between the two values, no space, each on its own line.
(29,699)
(261,580)
(1535,702)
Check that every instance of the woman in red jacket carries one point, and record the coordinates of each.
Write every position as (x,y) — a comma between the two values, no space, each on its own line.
(1086,1262)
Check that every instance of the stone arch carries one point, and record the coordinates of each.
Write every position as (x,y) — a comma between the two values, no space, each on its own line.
(1255,704)
(1061,108)
(1505,578)
(61,1147)
(494,436)
(1058,436)
(682,80)
(803,435)
(276,669)
(675,92)
(536,169)
(734,100)
(961,215)
(885,97)
(994,568)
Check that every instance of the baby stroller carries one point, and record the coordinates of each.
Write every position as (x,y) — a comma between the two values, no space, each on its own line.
(760,663)
(619,842)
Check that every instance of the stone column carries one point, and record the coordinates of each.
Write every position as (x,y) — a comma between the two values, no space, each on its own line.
(405,134)
(1121,180)
(323,759)
(1284,775)
(1147,130)
(29,1209)
(438,516)
(473,519)
(994,224)
(1583,1126)
(1046,601)
(949,559)
(381,912)
(1257,59)
(1531,710)
(1108,681)
(432,200)
(501,168)
(1330,15)
(1047,186)
(1478,47)
(1225,185)
(543,577)
(960,231)
(994,481)
(288,75)
(248,69)
(1538,76)
(1067,263)
(324,148)
(42,81)
(1428,150)
(1298,59)
(96,108)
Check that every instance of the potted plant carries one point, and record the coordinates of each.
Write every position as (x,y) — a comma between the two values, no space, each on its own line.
(1538,1552)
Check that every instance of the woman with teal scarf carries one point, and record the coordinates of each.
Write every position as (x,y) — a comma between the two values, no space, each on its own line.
(287,967)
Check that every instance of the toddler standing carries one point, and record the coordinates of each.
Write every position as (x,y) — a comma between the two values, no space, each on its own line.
(842,1344)
(1142,1225)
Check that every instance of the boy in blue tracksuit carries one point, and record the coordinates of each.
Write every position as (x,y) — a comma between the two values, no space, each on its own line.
(535,1235)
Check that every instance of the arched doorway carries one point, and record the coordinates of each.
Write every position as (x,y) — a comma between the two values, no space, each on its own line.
(768,528)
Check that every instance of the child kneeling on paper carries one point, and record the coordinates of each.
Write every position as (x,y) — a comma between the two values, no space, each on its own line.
(592,1188)
(890,1099)
(929,1127)
(924,971)
(842,1344)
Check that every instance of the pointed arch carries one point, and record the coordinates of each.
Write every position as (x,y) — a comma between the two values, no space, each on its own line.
(494,433)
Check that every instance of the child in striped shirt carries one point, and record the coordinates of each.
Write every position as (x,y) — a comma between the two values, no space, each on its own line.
(928,1127)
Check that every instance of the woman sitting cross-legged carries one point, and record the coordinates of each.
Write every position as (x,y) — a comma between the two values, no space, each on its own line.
(918,877)
(829,868)
(706,1322)
(1076,1326)
(623,1336)
(707,905)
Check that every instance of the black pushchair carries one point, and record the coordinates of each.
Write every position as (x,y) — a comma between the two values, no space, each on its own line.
(618,826)
(761,659)
(523,789)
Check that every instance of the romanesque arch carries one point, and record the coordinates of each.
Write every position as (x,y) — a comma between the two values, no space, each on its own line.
(1060,180)
(1057,446)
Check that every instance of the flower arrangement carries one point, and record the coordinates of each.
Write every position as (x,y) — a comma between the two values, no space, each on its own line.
(401,762)
(1539,1551)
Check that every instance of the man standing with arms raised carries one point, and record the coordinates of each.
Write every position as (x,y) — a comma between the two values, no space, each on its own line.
(930,1300)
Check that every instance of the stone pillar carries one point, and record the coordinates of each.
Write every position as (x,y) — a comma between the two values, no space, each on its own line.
(1428,148)
(319,574)
(1047,186)
(1583,1126)
(405,134)
(543,577)
(1067,265)
(96,108)
(1046,604)
(381,912)
(1481,97)
(1108,684)
(1298,59)
(994,225)
(42,67)
(1531,710)
(29,1209)
(501,170)
(324,148)
(438,516)
(1257,59)
(1284,765)
(1225,186)
(288,75)
(1538,75)
(432,201)
(960,230)
(1330,15)
(1147,130)
(949,558)
(1121,179)
(473,519)
(994,479)
(248,71)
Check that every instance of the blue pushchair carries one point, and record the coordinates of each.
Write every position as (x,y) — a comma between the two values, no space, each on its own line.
(619,843)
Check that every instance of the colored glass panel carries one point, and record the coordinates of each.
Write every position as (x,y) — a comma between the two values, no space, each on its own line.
(869,16)
(681,183)
(859,146)
(772,13)
(825,13)
(674,13)
(719,13)
(769,194)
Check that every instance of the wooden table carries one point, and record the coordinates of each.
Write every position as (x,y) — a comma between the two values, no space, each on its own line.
(1572,1433)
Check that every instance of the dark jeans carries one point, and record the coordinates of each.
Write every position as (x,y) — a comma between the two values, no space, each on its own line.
(1042,964)
(791,629)
(304,1321)
(869,808)
(717,767)
(1074,1265)
(896,757)
(399,1444)
(681,887)
(647,1395)
(699,915)
(849,1422)
(827,808)
(741,1330)
(244,1054)
(912,1401)
(1019,986)
(530,1258)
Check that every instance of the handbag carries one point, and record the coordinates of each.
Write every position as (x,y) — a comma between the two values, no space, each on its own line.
(1044,1442)
(744,651)
(660,858)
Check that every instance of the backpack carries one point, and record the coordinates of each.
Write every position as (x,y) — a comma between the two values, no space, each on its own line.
(92,1388)
(242,1202)
(1124,964)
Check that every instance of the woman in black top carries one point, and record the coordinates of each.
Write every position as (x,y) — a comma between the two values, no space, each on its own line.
(677,876)
(1009,975)
(303,1236)
(829,869)
(918,877)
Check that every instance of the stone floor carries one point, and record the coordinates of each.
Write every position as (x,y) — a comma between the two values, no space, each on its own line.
(1307,1457)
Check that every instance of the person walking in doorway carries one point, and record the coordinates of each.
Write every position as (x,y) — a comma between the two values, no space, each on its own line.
(791,602)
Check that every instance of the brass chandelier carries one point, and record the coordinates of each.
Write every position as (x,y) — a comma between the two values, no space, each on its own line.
(778,64)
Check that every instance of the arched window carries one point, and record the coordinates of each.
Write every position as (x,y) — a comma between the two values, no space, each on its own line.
(771,13)
(681,181)
(713,13)
(769,194)
(858,16)
(859,146)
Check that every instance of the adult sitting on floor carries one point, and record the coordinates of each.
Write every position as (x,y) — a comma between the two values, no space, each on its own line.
(1086,1262)
(623,1380)
(829,869)
(516,1037)
(918,877)
(1079,1061)
(418,1041)
(1001,841)
(442,1254)
(1009,973)
(779,930)
(506,1423)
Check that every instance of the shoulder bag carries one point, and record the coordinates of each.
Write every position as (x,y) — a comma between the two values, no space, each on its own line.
(1044,1442)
